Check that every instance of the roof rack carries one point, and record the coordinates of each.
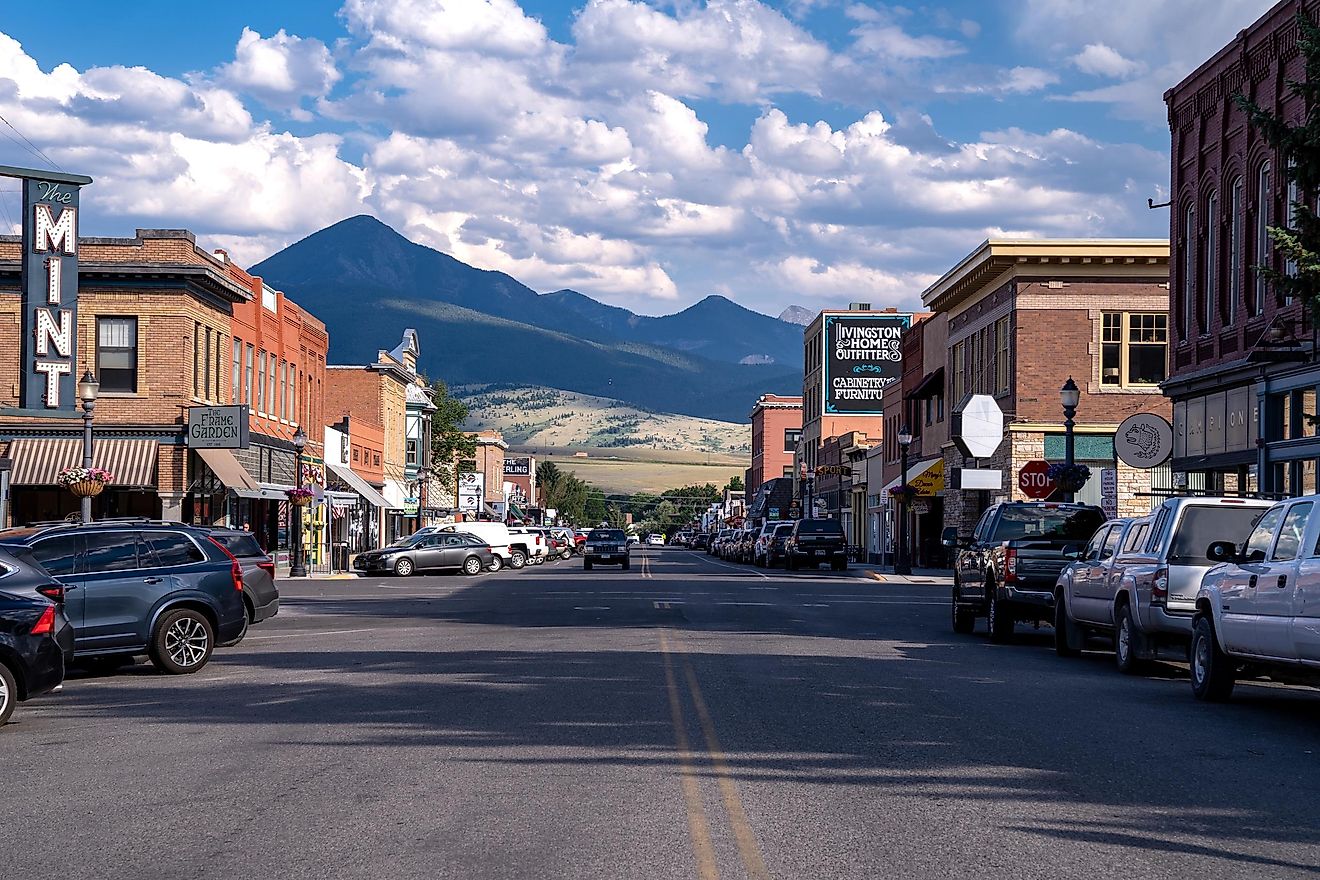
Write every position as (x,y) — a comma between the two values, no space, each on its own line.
(1209,493)
(107,519)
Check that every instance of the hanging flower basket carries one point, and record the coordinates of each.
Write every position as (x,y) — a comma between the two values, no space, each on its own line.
(299,497)
(1069,477)
(84,482)
(904,493)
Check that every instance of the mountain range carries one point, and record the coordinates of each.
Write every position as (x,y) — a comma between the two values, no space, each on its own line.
(367,283)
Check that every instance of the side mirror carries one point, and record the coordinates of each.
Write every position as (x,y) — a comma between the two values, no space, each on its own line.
(1222,551)
(1073,552)
(949,537)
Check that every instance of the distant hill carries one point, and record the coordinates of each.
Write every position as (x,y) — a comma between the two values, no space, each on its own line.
(797,315)
(368,283)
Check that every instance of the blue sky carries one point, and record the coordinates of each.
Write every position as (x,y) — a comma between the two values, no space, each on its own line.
(809,152)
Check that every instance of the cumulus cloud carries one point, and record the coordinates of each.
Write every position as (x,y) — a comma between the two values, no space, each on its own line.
(1100,60)
(281,71)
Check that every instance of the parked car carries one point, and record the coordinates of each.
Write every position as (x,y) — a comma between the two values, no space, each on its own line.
(529,543)
(654,540)
(1145,595)
(137,586)
(607,547)
(633,540)
(776,550)
(36,638)
(814,541)
(562,543)
(743,548)
(261,598)
(440,551)
(1258,610)
(700,541)
(716,547)
(497,537)
(1007,570)
(761,542)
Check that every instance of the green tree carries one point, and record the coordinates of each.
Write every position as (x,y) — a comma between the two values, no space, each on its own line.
(735,484)
(1299,145)
(450,444)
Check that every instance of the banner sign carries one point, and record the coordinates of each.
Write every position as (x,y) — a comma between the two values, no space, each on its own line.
(49,283)
(218,427)
(517,467)
(471,491)
(863,354)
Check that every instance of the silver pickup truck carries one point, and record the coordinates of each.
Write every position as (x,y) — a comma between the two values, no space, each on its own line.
(1143,594)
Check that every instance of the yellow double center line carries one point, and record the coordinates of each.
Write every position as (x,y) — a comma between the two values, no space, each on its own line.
(698,824)
(646,566)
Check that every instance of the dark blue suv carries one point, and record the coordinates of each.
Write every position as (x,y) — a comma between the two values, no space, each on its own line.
(165,589)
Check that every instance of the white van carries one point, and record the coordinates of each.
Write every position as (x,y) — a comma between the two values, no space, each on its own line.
(493,533)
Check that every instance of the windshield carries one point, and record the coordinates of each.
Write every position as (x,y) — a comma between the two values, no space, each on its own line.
(1048,523)
(820,526)
(606,535)
(783,531)
(1201,526)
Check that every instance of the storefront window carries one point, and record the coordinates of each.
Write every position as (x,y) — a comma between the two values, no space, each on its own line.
(116,354)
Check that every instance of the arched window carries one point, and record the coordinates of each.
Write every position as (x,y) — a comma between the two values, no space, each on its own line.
(1211,284)
(1188,273)
(1234,286)
(1262,249)
(1290,266)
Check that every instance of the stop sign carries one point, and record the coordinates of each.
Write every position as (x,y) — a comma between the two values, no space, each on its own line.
(1034,480)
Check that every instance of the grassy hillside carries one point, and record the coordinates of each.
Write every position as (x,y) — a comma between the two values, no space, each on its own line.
(549,417)
(629,475)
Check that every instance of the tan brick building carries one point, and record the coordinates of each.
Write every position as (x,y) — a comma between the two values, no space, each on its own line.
(1023,316)
(143,305)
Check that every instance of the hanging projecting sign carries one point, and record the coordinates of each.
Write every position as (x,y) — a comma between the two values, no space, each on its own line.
(517,467)
(49,282)
(1144,440)
(863,354)
(471,491)
(218,427)
(978,428)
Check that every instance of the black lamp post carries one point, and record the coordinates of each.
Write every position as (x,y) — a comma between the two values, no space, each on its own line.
(88,388)
(296,567)
(1069,396)
(902,565)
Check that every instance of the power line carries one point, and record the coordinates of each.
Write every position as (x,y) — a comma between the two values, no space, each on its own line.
(31,147)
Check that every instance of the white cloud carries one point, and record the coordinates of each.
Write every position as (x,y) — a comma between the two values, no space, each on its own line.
(1100,60)
(280,71)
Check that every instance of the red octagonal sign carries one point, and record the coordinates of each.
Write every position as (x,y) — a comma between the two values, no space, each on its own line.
(1034,480)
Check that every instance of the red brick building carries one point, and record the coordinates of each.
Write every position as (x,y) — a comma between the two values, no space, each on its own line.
(1241,378)
(776,430)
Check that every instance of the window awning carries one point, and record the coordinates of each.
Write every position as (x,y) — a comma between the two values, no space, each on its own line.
(228,469)
(926,476)
(38,461)
(360,486)
(930,385)
(265,492)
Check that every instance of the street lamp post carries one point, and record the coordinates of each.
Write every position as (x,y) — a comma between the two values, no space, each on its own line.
(1069,396)
(87,390)
(902,565)
(296,567)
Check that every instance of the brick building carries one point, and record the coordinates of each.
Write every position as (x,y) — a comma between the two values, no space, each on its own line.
(1242,379)
(776,431)
(1023,316)
(153,324)
(488,460)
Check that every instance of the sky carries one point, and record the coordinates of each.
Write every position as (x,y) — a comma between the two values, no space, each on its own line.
(805,152)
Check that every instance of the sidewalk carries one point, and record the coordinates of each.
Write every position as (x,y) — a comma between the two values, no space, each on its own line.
(885,574)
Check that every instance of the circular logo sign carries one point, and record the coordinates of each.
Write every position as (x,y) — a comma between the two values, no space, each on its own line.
(1144,441)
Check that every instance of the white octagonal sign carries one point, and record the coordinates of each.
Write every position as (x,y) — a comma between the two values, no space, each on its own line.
(979,428)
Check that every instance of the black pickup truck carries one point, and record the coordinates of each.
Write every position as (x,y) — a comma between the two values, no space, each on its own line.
(1007,569)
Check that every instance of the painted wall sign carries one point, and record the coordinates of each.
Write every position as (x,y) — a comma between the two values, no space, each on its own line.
(218,427)
(863,354)
(517,467)
(49,282)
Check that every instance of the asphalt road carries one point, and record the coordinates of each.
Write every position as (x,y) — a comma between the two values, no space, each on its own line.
(685,719)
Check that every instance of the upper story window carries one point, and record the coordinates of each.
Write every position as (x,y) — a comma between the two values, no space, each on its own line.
(238,371)
(791,438)
(116,353)
(1187,310)
(1133,348)
(247,376)
(1001,359)
(1211,276)
(1290,266)
(1233,289)
(261,382)
(1262,234)
(411,452)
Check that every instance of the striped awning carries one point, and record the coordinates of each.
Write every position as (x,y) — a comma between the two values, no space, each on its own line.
(38,461)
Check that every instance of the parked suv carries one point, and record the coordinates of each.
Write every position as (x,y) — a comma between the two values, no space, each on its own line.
(1007,570)
(1258,613)
(761,542)
(530,543)
(260,596)
(138,586)
(35,635)
(814,541)
(1144,596)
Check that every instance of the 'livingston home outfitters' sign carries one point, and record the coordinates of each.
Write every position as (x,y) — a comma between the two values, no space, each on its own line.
(49,284)
(863,354)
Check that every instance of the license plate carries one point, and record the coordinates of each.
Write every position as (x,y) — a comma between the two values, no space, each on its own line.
(607,556)
(820,552)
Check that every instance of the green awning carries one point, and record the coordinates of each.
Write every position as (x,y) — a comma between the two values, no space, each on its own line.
(1087,447)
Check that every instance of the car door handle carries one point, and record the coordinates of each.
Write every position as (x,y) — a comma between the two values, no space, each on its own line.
(152,580)
(1283,581)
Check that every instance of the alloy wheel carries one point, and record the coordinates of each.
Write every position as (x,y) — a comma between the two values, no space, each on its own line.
(1123,644)
(185,642)
(5,695)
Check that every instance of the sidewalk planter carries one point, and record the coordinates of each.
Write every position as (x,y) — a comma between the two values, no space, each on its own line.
(84,482)
(1069,477)
(299,497)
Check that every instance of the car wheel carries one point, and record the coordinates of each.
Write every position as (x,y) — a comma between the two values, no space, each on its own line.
(8,693)
(1212,670)
(517,559)
(586,565)
(1064,630)
(998,621)
(182,642)
(539,560)
(1127,642)
(472,565)
(627,564)
(495,565)
(964,621)
(404,567)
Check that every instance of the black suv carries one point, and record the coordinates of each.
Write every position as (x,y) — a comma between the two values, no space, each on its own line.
(136,586)
(814,541)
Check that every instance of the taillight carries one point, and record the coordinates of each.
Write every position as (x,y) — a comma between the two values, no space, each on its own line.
(46,623)
(1010,565)
(1159,587)
(53,592)
(268,568)
(235,569)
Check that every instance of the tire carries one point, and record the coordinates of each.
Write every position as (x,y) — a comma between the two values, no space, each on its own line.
(1213,675)
(964,621)
(539,560)
(1064,629)
(517,559)
(1127,642)
(8,693)
(586,565)
(404,567)
(471,566)
(182,642)
(627,564)
(999,624)
(496,564)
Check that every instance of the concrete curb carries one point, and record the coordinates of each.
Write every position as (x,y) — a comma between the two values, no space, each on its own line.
(875,575)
